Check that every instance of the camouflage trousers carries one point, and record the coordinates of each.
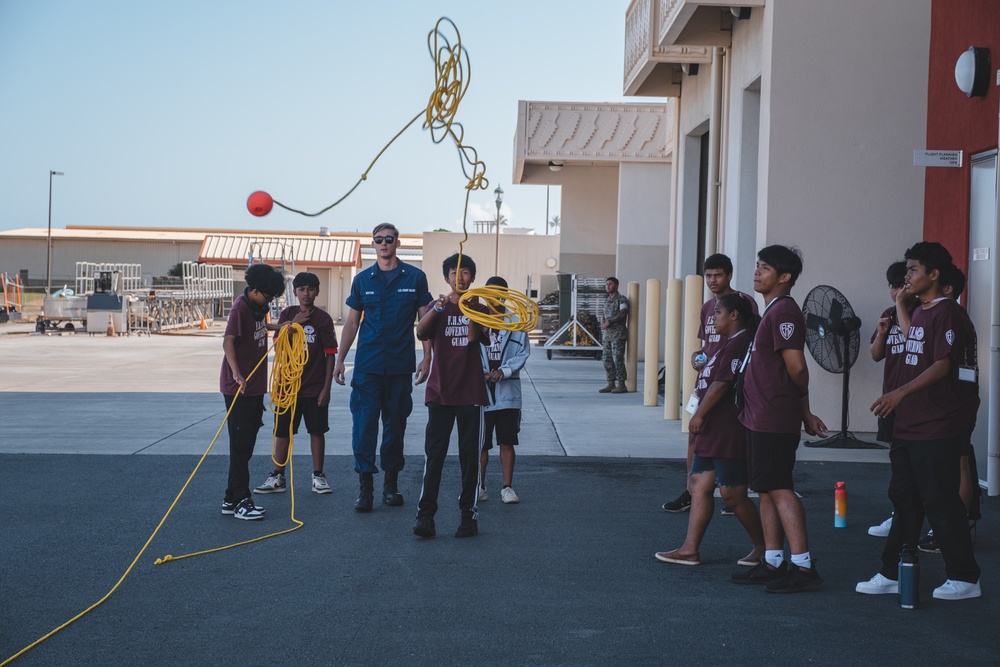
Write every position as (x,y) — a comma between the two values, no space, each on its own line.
(614,358)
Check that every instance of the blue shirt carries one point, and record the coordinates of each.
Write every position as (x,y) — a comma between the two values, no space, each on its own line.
(389,301)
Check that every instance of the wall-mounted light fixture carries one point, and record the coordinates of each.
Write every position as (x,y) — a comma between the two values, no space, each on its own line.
(740,13)
(690,69)
(555,165)
(972,71)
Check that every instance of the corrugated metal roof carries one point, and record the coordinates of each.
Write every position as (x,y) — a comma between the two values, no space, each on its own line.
(311,251)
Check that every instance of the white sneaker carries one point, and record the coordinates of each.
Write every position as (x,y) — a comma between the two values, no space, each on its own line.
(957,590)
(320,485)
(878,585)
(508,496)
(275,483)
(881,530)
(482,494)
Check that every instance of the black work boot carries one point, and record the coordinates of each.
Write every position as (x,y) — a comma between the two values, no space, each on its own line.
(390,493)
(366,496)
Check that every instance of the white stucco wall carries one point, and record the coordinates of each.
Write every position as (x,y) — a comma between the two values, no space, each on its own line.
(843,106)
(520,255)
(643,221)
(588,224)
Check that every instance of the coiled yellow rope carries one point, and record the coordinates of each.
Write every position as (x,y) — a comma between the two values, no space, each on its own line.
(290,358)
(508,309)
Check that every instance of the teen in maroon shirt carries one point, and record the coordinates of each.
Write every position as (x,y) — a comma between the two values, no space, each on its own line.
(456,391)
(927,435)
(313,401)
(718,270)
(720,439)
(776,396)
(245,348)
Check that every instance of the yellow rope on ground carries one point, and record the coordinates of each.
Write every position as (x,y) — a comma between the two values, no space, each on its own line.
(286,358)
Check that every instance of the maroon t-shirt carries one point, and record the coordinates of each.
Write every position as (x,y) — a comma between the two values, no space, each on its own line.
(936,411)
(772,402)
(712,340)
(722,435)
(968,392)
(895,351)
(456,367)
(251,345)
(321,340)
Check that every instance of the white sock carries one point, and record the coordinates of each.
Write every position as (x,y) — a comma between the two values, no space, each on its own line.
(802,560)
(774,557)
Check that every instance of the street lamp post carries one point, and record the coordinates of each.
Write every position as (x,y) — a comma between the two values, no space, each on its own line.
(48,253)
(499,193)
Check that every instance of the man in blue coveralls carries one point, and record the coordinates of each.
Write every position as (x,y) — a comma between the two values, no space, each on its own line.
(392,295)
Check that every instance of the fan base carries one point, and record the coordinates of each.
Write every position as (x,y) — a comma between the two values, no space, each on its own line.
(845,440)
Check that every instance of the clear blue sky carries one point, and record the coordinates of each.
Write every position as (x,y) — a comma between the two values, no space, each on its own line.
(169,114)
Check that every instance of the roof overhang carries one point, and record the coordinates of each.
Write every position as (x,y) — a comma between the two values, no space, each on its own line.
(663,35)
(553,135)
(314,251)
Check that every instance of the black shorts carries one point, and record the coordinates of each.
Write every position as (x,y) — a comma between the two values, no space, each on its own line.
(317,418)
(506,423)
(771,458)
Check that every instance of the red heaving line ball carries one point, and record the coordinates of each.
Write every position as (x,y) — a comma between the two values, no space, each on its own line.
(260,203)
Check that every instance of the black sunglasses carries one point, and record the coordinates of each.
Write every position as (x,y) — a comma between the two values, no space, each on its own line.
(384,239)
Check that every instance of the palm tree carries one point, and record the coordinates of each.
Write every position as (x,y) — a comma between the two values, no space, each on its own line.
(554,223)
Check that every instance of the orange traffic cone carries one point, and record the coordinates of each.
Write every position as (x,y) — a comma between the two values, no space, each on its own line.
(203,327)
(111,326)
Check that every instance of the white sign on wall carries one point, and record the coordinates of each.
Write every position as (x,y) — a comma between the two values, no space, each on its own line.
(937,158)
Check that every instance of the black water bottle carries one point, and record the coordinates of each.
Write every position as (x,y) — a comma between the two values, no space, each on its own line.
(909,578)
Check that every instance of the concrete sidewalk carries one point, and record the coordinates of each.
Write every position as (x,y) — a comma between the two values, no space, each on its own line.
(159,395)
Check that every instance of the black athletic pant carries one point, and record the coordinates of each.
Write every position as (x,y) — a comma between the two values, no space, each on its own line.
(925,476)
(244,422)
(440,420)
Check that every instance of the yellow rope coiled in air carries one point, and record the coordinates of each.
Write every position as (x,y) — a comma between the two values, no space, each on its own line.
(290,358)
(508,309)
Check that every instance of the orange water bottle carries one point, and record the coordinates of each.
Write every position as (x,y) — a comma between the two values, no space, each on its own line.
(840,505)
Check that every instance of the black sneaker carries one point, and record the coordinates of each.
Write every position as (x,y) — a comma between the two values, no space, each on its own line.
(682,504)
(929,544)
(762,573)
(247,510)
(230,508)
(468,528)
(424,527)
(727,511)
(797,580)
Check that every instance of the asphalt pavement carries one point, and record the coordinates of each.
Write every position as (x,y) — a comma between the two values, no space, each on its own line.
(99,435)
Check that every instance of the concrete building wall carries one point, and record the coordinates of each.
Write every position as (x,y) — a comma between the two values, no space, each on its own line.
(741,152)
(521,255)
(843,105)
(643,234)
(589,213)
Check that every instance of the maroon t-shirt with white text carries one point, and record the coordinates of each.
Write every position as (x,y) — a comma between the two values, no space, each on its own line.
(722,435)
(456,366)
(771,400)
(251,346)
(895,351)
(934,412)
(321,340)
(712,340)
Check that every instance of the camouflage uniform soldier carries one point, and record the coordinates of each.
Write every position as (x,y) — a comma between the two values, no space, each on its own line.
(614,335)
